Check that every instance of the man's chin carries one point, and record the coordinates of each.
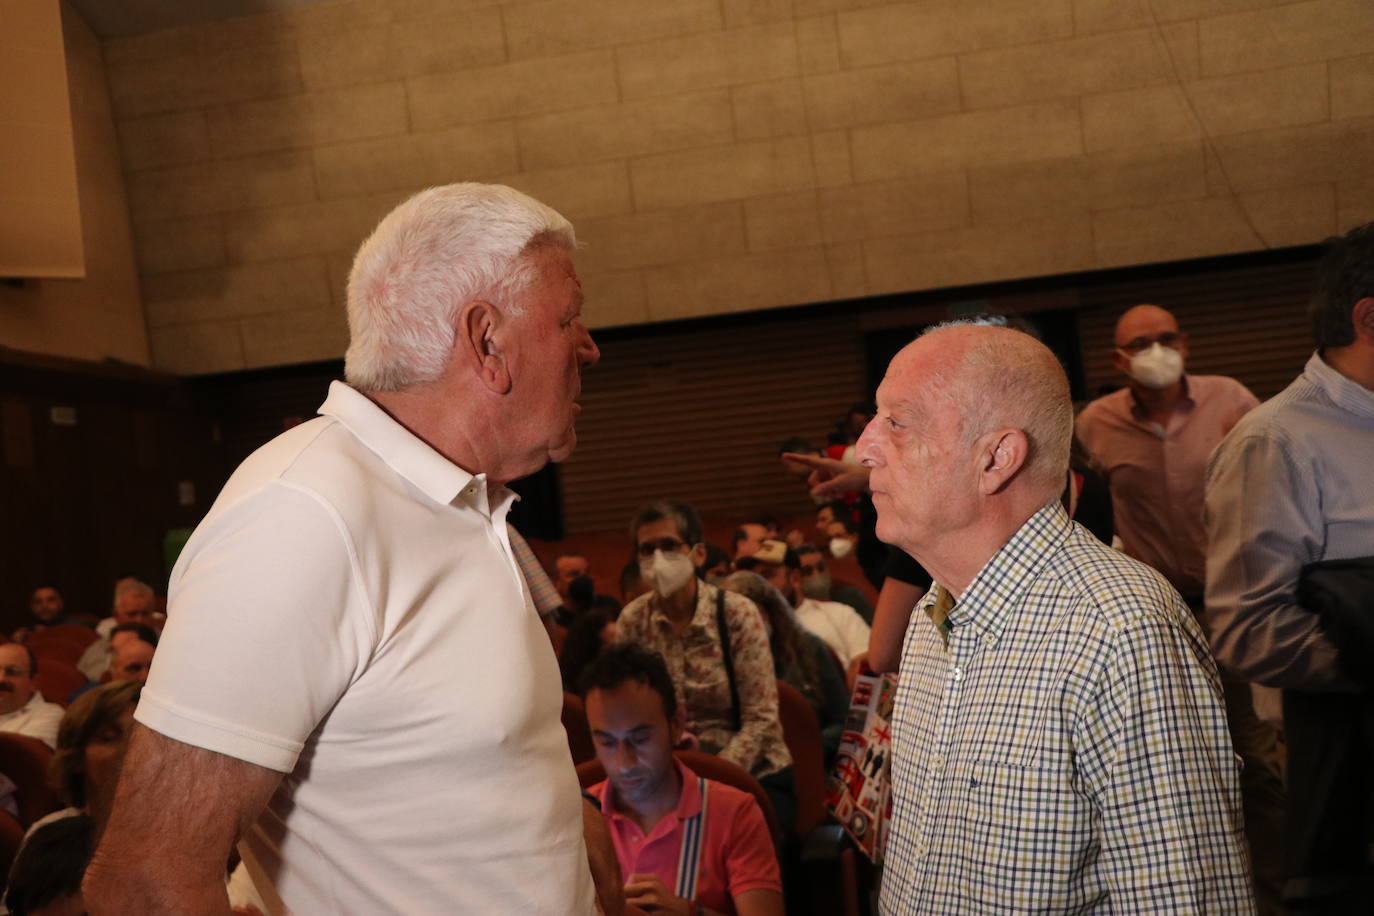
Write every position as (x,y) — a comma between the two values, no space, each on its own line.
(561,449)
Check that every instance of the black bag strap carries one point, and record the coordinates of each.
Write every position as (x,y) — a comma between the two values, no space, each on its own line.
(725,656)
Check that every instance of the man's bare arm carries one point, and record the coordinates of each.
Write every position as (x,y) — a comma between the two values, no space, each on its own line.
(602,859)
(891,618)
(177,813)
(759,902)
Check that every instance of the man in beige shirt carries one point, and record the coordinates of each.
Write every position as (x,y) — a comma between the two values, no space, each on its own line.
(1153,438)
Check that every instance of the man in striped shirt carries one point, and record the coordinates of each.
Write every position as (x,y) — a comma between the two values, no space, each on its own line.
(1059,742)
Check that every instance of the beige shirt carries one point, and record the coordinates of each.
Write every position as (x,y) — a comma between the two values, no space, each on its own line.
(37,718)
(1156,473)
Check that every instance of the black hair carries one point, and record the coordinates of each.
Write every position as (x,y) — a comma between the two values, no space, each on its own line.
(630,576)
(682,515)
(714,557)
(627,662)
(805,550)
(1345,275)
(142,631)
(50,864)
(797,444)
(583,644)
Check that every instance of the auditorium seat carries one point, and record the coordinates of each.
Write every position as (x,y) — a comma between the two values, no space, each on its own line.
(66,643)
(57,680)
(575,724)
(26,761)
(830,864)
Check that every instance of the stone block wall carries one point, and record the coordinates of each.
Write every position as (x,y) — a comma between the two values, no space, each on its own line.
(730,155)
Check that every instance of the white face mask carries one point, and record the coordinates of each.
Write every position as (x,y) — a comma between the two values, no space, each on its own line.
(1157,367)
(667,573)
(841,548)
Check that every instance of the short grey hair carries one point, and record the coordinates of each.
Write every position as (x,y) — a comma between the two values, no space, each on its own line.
(435,252)
(134,587)
(1008,378)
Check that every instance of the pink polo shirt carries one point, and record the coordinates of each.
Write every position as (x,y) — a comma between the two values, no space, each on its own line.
(737,854)
(1156,473)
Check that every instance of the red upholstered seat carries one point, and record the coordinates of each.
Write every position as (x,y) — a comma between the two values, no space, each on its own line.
(65,643)
(575,724)
(26,761)
(801,730)
(57,679)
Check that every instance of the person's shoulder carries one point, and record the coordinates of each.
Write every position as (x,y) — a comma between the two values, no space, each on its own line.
(636,612)
(1114,589)
(729,800)
(1100,409)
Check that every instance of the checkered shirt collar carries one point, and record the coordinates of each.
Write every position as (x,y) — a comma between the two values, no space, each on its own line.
(991,598)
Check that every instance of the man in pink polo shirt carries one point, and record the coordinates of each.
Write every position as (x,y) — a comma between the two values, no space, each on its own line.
(688,846)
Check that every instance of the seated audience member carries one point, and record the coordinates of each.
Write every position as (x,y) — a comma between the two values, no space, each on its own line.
(90,744)
(817,583)
(843,630)
(747,538)
(23,711)
(716,565)
(134,602)
(800,657)
(45,879)
(47,609)
(631,582)
(133,646)
(588,635)
(716,647)
(568,567)
(686,845)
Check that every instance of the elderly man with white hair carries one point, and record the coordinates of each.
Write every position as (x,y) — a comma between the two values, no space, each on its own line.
(1059,738)
(352,679)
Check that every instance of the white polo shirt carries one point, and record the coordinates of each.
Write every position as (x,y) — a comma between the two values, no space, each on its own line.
(37,719)
(349,613)
(838,625)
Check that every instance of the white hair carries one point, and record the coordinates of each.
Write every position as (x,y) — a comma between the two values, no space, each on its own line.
(1009,379)
(440,249)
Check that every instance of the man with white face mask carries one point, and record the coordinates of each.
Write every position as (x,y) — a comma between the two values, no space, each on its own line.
(715,645)
(1153,439)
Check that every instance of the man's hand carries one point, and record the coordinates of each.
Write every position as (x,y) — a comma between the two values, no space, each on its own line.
(648,893)
(830,478)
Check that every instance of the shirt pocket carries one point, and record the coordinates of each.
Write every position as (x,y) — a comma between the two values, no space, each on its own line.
(1024,831)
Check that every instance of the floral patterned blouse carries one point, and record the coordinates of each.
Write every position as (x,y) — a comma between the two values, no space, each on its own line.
(696,664)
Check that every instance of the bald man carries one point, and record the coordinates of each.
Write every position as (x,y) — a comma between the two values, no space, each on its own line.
(1152,439)
(1059,739)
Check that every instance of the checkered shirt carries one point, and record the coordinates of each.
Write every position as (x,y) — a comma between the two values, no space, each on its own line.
(1068,752)
(542,593)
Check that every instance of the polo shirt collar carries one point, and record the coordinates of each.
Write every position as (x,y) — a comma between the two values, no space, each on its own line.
(1186,402)
(1344,392)
(990,600)
(431,473)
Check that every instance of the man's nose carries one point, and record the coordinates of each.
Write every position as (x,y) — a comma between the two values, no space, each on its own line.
(867,449)
(625,757)
(589,353)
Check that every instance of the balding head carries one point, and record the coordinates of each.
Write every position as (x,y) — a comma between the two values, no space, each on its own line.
(996,378)
(972,436)
(1144,321)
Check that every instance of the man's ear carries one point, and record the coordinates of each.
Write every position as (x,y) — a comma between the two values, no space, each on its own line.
(1120,361)
(697,555)
(1001,456)
(1362,319)
(476,345)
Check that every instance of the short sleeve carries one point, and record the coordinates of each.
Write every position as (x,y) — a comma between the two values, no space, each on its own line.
(750,861)
(266,627)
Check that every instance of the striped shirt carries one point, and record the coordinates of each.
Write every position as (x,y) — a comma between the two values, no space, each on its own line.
(1068,750)
(1292,484)
(542,593)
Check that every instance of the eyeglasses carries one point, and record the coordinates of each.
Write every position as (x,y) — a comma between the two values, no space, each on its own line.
(667,545)
(1140,344)
(812,569)
(13,671)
